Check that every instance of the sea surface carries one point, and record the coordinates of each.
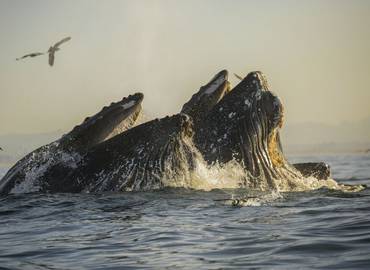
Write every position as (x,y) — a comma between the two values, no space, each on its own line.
(187,229)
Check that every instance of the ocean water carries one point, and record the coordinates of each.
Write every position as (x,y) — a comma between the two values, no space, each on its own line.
(187,229)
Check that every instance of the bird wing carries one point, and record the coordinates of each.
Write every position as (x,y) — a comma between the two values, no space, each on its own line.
(1,149)
(24,56)
(29,55)
(56,45)
(51,59)
(239,77)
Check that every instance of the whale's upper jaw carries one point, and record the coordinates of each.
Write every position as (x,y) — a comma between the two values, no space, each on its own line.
(112,119)
(207,97)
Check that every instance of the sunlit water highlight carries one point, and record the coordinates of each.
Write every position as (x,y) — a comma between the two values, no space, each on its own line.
(187,229)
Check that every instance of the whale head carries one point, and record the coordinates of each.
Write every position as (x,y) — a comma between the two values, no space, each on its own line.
(245,126)
(110,121)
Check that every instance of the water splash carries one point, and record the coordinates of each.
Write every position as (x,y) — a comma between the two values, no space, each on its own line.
(34,166)
(232,175)
(257,199)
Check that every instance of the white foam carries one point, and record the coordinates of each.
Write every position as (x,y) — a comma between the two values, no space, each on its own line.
(216,176)
(38,163)
(232,175)
(311,183)
(257,199)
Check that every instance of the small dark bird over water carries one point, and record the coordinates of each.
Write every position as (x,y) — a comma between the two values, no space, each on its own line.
(1,149)
(50,52)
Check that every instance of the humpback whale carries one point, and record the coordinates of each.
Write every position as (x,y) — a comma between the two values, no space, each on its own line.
(241,124)
(244,126)
(318,170)
(156,154)
(168,146)
(66,152)
(153,155)
(217,125)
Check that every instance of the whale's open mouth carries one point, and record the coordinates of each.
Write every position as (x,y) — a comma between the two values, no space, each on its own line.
(110,121)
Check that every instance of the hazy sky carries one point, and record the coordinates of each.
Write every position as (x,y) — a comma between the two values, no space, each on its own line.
(316,55)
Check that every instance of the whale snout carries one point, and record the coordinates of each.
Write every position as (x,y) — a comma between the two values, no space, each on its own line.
(255,87)
(222,75)
(138,97)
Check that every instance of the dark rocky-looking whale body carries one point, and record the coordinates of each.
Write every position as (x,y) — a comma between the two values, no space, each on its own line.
(163,148)
(217,125)
(152,155)
(156,154)
(244,127)
(28,173)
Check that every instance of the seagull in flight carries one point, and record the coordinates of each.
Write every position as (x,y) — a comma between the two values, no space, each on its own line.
(30,55)
(50,52)
(55,48)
